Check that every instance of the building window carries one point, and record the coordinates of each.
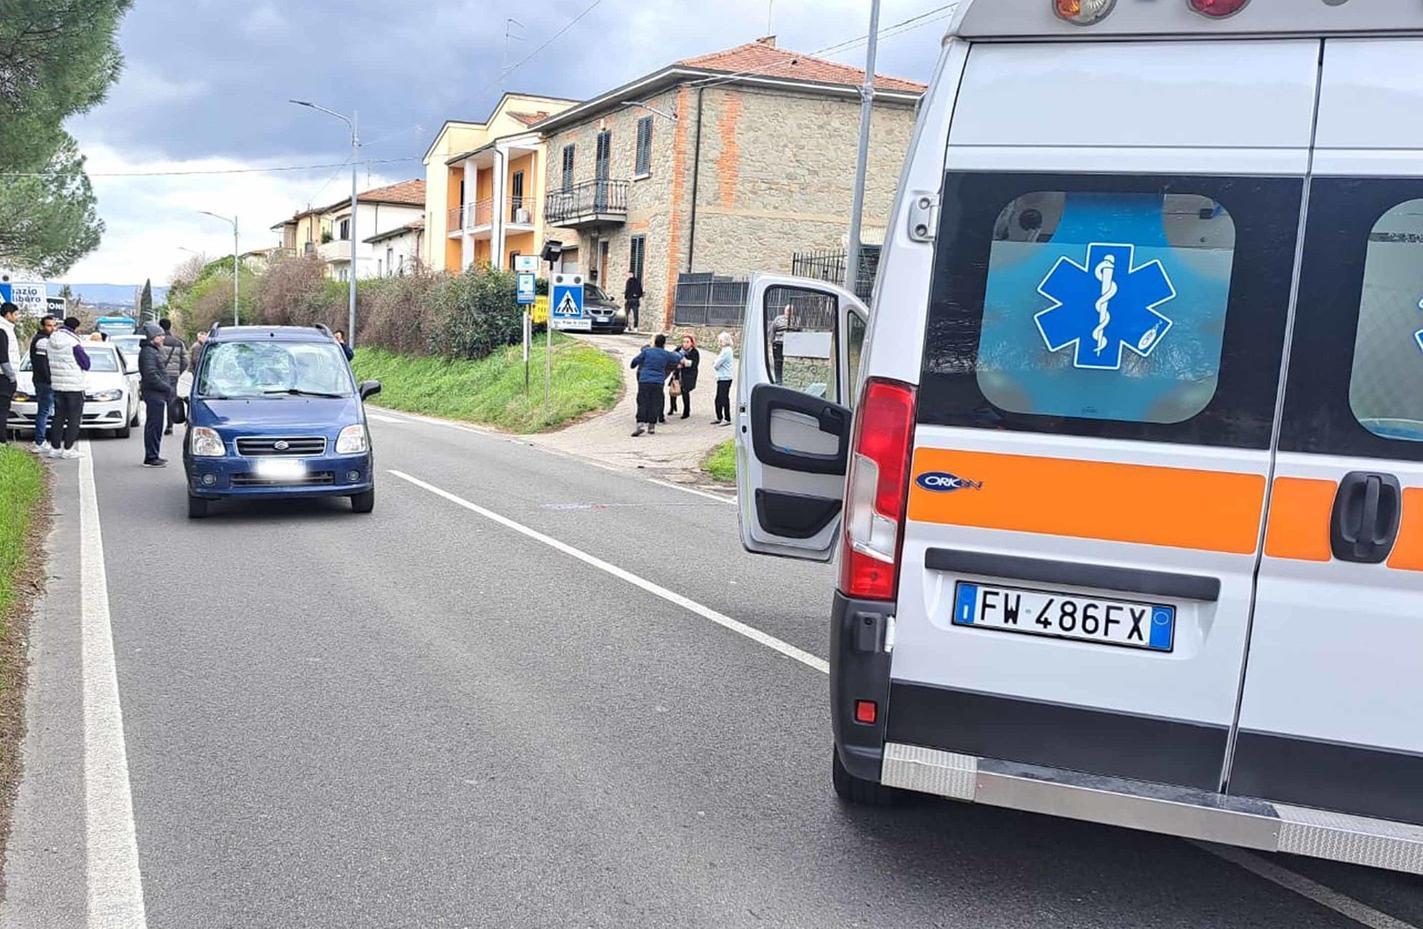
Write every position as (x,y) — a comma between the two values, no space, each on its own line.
(389,259)
(516,199)
(604,152)
(345,229)
(568,167)
(636,253)
(644,147)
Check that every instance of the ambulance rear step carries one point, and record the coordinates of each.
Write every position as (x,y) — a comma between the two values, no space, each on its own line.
(1178,811)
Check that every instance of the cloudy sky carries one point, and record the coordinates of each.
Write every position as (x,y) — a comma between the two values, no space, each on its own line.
(207,82)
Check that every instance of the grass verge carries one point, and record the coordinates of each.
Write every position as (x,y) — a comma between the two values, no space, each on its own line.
(24,518)
(720,462)
(491,390)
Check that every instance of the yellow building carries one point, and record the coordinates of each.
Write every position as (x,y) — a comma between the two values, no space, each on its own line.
(484,186)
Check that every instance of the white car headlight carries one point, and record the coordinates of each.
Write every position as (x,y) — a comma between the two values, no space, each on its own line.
(206,443)
(352,440)
(104,396)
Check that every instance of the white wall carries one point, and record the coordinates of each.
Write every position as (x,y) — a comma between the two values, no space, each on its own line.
(371,219)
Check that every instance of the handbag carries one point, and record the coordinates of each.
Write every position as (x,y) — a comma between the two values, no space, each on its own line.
(674,388)
(177,411)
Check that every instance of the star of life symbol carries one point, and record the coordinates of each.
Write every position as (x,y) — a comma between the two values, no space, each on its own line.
(1105,305)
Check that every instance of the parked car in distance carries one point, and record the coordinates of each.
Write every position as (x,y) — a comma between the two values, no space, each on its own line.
(110,392)
(606,315)
(275,412)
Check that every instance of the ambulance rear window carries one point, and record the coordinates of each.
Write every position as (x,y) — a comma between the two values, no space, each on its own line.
(1133,306)
(1106,305)
(1386,384)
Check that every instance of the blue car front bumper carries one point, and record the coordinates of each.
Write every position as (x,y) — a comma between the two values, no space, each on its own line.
(238,476)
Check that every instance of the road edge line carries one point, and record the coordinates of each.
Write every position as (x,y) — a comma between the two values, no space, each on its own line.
(115,888)
(706,612)
(1340,903)
(693,490)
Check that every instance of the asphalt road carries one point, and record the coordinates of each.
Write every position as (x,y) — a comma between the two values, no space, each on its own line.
(426,718)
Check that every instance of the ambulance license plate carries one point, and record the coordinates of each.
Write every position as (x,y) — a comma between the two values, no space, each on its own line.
(1151,626)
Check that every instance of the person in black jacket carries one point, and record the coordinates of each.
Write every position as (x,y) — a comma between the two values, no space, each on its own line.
(157,391)
(632,298)
(44,387)
(686,376)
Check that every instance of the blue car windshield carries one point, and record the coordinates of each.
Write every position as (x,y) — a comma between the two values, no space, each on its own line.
(273,369)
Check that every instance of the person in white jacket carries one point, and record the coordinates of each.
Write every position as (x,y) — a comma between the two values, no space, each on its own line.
(67,364)
(9,365)
(725,367)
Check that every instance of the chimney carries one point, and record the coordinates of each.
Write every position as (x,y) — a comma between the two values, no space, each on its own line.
(767,40)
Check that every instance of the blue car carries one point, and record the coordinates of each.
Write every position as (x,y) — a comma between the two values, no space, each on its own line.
(275,412)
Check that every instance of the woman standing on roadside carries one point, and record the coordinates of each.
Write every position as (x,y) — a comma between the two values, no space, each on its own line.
(686,376)
(724,366)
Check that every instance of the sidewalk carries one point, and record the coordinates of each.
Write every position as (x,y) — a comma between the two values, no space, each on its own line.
(678,447)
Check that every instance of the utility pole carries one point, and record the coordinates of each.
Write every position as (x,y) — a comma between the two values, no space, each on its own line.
(867,106)
(355,156)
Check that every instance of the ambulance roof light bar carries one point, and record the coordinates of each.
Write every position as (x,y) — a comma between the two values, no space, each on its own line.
(1089,20)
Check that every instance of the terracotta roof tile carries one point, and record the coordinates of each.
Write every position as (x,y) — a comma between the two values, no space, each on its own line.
(528,119)
(411,192)
(765,59)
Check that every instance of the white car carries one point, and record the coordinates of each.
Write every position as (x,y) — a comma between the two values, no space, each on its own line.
(110,392)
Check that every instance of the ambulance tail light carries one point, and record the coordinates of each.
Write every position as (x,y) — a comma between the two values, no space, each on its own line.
(1083,12)
(1217,9)
(877,490)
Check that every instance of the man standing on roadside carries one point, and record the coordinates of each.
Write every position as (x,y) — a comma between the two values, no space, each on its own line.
(9,365)
(175,362)
(44,390)
(156,390)
(632,297)
(67,363)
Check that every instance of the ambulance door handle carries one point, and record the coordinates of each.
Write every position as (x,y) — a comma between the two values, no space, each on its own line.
(1366,517)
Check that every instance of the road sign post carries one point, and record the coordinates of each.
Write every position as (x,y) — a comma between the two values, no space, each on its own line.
(565,311)
(525,291)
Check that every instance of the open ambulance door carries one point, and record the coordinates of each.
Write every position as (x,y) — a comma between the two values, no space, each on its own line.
(801,344)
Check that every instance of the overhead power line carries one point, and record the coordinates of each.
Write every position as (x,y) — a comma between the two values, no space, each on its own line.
(204,171)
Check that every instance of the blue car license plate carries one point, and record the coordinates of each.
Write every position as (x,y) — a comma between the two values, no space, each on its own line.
(1124,623)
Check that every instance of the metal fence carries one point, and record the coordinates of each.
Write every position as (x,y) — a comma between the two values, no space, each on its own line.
(709,300)
(589,201)
(829,265)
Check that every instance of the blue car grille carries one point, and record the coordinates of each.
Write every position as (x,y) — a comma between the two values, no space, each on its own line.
(313,479)
(268,446)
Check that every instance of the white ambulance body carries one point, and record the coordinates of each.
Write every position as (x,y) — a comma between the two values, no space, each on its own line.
(1132,489)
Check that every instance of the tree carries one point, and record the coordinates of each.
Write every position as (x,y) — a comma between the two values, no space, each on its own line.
(48,219)
(66,293)
(145,303)
(57,59)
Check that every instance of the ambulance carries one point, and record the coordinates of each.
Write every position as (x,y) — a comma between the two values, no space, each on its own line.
(1123,471)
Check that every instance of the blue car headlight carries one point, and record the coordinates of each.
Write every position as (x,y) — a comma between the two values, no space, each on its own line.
(205,443)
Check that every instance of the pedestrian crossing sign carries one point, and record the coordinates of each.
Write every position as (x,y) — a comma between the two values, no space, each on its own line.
(566,303)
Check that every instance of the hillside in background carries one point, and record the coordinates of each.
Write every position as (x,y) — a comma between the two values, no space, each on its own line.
(113,295)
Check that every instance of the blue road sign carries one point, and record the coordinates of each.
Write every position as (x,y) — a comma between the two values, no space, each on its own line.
(525,288)
(7,293)
(565,308)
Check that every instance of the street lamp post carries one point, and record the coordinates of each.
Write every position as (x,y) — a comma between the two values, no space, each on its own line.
(235,259)
(350,121)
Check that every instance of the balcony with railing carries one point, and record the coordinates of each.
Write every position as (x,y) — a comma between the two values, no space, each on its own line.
(590,203)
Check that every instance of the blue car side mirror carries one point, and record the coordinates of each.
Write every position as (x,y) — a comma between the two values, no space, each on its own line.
(369,389)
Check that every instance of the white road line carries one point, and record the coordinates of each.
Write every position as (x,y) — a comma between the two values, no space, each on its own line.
(115,898)
(721,619)
(383,419)
(1361,913)
(692,490)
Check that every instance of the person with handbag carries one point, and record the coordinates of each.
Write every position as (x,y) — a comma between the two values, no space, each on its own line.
(652,364)
(157,392)
(175,362)
(684,377)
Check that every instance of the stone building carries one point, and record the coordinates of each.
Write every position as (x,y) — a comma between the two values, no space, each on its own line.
(726,163)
